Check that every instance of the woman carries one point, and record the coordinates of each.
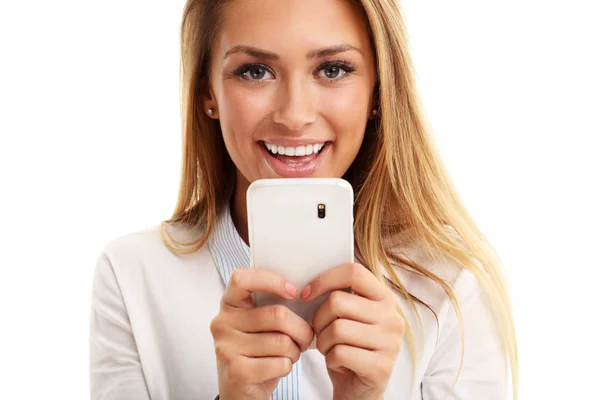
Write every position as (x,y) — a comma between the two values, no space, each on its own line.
(319,88)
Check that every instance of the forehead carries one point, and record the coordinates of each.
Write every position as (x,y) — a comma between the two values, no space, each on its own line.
(288,25)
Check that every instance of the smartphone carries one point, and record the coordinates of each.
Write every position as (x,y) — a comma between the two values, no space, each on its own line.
(300,228)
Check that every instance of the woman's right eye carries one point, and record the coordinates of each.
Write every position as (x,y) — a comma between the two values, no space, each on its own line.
(254,72)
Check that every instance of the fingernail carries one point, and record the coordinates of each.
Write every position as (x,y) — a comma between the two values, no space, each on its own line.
(290,289)
(305,293)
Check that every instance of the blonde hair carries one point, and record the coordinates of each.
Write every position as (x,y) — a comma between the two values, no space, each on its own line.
(398,176)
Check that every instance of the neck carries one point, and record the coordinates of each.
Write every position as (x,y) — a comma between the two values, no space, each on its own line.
(239,213)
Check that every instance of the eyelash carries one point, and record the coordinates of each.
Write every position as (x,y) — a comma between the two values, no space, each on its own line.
(345,66)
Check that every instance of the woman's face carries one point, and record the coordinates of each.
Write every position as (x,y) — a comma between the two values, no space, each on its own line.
(292,86)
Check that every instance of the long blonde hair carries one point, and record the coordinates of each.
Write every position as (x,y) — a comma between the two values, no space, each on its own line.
(398,176)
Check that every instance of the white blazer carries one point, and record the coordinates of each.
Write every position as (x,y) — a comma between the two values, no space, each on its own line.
(151,312)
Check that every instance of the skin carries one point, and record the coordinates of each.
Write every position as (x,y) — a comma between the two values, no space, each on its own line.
(297,93)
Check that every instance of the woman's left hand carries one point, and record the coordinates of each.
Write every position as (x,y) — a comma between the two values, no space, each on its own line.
(359,333)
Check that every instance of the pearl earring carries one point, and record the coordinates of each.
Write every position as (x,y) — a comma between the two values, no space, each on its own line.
(211,111)
(374,112)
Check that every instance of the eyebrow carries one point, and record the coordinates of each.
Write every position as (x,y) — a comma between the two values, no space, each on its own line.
(267,55)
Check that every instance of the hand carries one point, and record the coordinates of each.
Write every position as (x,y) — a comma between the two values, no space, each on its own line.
(359,333)
(256,346)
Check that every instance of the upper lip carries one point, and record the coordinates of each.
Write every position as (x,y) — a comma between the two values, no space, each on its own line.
(292,143)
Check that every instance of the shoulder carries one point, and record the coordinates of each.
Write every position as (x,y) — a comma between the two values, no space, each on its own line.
(144,251)
(436,270)
(133,244)
(462,337)
(148,241)
(454,314)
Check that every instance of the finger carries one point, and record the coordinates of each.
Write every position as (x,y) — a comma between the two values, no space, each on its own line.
(348,276)
(370,366)
(269,345)
(274,318)
(245,281)
(259,370)
(345,305)
(352,333)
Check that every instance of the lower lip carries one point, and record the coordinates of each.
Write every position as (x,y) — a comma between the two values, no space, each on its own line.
(303,170)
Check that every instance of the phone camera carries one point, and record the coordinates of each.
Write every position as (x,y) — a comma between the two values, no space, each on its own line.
(321,211)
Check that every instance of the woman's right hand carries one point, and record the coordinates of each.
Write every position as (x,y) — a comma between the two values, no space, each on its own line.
(256,346)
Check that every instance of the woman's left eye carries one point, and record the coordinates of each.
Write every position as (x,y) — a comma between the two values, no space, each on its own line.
(335,71)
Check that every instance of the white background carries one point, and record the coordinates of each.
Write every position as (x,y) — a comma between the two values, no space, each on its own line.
(90,150)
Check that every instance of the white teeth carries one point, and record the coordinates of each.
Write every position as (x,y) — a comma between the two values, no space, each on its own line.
(272,148)
(297,151)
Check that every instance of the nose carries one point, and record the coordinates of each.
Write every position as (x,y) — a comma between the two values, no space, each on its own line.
(296,105)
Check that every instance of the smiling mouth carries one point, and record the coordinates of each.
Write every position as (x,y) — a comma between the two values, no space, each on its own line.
(294,151)
(295,161)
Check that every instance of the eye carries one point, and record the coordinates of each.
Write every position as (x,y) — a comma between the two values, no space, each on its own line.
(332,71)
(335,70)
(253,72)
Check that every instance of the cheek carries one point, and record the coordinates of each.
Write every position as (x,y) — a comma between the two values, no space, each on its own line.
(240,112)
(347,113)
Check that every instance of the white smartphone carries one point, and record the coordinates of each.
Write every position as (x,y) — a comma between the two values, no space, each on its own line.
(300,228)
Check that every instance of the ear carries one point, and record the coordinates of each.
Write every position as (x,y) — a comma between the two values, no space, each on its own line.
(209,100)
(374,106)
